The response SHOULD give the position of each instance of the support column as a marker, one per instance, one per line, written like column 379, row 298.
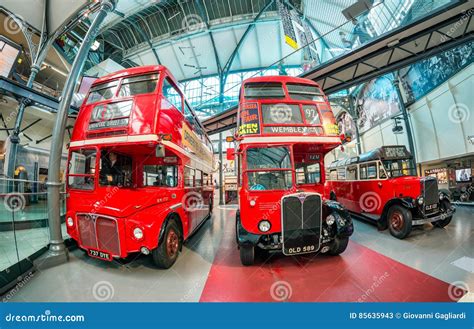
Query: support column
column 57, row 253
column 406, row 119
column 355, row 117
column 221, row 175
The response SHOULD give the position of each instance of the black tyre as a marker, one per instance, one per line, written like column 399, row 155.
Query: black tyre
column 399, row 220
column 445, row 206
column 247, row 255
column 165, row 255
column 338, row 246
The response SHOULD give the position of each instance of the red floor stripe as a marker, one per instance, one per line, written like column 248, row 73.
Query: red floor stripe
column 359, row 274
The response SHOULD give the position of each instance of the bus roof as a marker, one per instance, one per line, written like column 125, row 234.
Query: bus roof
column 280, row 78
column 134, row 71
column 389, row 152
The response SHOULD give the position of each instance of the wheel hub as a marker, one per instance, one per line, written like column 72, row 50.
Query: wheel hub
column 397, row 221
column 172, row 243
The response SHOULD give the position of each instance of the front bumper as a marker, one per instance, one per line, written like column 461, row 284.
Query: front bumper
column 440, row 216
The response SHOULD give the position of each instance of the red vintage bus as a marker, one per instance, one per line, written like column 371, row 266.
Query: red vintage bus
column 382, row 185
column 285, row 127
column 139, row 168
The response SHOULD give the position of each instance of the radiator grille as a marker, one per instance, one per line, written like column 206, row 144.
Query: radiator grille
column 99, row 232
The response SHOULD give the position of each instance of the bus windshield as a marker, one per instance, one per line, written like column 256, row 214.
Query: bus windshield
column 269, row 168
column 398, row 168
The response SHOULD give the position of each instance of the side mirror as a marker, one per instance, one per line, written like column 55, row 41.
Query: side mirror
column 230, row 154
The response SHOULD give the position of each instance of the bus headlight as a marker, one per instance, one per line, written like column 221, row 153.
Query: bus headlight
column 138, row 233
column 420, row 200
column 330, row 219
column 264, row 226
column 70, row 222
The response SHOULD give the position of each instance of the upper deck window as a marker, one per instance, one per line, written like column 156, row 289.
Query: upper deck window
column 264, row 90
column 305, row 92
column 172, row 95
column 102, row 92
column 143, row 84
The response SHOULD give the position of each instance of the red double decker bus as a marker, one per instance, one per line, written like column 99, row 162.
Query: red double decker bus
column 285, row 127
column 139, row 168
column 382, row 185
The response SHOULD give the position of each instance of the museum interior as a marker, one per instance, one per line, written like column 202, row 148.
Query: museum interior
column 236, row 151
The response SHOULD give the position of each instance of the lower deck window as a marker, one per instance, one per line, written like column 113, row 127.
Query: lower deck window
column 157, row 175
column 307, row 173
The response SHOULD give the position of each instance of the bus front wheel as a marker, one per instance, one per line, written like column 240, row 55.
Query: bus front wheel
column 247, row 255
column 165, row 255
column 399, row 221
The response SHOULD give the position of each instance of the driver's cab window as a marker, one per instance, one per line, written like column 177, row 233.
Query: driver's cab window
column 115, row 169
column 160, row 176
column 382, row 173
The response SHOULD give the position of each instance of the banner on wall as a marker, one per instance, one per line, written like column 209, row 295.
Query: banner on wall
column 420, row 78
column 377, row 101
column 346, row 125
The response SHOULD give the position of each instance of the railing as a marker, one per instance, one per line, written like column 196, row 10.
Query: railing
column 23, row 220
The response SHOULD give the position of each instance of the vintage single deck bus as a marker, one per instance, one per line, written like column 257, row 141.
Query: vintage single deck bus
column 139, row 168
column 285, row 127
column 382, row 185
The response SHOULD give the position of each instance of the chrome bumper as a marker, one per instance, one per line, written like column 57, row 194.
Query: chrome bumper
column 421, row 221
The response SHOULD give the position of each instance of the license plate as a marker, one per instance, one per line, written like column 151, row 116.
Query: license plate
column 100, row 254
column 431, row 206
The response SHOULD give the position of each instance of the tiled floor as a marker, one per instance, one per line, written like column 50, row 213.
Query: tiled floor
column 429, row 251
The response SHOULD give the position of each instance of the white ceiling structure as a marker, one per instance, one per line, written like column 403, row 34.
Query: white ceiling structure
column 193, row 56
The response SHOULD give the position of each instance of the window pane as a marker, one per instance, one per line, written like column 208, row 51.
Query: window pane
column 115, row 169
column 102, row 92
column 268, row 158
column 351, row 173
column 82, row 162
column 143, row 84
column 311, row 114
column 305, row 92
column 172, row 95
column 281, row 114
column 307, row 173
column 188, row 177
column 263, row 90
column 156, row 175
column 269, row 180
